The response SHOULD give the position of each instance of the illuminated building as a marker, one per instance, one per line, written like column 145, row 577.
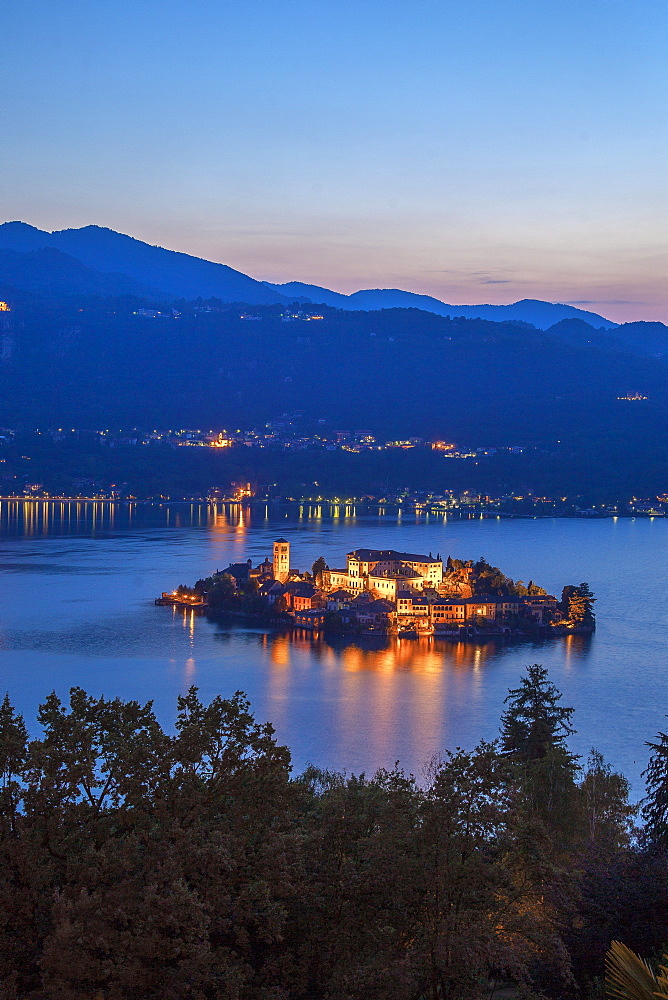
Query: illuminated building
column 385, row 572
column 281, row 560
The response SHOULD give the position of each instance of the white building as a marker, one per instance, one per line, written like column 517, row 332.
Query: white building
column 385, row 572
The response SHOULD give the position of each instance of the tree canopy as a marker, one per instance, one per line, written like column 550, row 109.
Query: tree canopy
column 141, row 862
column 534, row 721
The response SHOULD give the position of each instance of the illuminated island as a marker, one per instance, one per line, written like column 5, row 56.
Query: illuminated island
column 397, row 593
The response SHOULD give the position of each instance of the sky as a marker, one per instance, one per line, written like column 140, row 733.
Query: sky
column 475, row 150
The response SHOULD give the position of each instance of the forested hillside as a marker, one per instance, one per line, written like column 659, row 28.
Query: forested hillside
column 98, row 363
column 399, row 372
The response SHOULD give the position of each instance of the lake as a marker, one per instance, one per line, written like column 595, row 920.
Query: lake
column 78, row 582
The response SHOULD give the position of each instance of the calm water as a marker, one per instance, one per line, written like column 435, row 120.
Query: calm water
column 77, row 583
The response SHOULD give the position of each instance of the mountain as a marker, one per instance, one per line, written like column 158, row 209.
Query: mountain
column 98, row 362
column 649, row 339
column 644, row 338
column 299, row 290
column 51, row 273
column 170, row 273
column 534, row 311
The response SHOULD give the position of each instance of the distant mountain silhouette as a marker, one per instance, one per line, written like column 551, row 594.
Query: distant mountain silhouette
column 155, row 272
column 644, row 338
column 49, row 272
column 534, row 311
column 170, row 273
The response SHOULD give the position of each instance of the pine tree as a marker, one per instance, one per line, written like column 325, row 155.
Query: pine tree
column 580, row 606
column 533, row 734
column 655, row 804
column 13, row 755
column 534, row 722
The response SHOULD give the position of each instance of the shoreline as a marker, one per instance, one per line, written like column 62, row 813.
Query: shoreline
column 365, row 507
column 463, row 634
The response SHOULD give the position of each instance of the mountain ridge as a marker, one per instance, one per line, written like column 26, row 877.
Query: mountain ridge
column 159, row 272
column 535, row 311
column 171, row 273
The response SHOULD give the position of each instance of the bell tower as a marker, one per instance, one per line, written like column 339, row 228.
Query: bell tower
column 281, row 560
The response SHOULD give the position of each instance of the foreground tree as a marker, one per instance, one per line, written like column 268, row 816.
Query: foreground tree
column 534, row 728
column 534, row 722
column 140, row 863
column 655, row 804
column 605, row 804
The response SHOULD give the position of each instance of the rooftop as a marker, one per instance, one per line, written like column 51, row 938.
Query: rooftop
column 371, row 555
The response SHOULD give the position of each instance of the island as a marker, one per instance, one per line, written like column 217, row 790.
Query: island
column 396, row 593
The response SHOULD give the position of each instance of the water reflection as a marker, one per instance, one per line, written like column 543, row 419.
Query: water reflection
column 31, row 517
column 384, row 653
column 78, row 580
column 396, row 697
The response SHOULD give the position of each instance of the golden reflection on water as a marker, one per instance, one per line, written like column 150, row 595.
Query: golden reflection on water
column 370, row 690
column 424, row 655
column 32, row 517
column 574, row 647
column 279, row 651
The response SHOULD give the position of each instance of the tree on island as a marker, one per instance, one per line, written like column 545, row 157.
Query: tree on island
column 318, row 568
column 219, row 589
column 490, row 579
column 577, row 603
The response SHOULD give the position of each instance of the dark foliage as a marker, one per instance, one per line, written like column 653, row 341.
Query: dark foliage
column 534, row 722
column 135, row 863
column 655, row 805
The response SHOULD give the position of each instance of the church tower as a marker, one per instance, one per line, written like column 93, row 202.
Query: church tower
column 281, row 560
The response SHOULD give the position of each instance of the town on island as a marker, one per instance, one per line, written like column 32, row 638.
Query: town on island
column 396, row 593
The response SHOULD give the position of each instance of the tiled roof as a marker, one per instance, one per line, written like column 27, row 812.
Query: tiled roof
column 299, row 589
column 375, row 555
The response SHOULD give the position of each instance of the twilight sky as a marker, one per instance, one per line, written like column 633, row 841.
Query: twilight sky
column 476, row 150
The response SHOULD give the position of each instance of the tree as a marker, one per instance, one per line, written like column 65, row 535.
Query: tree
column 534, row 729
column 534, row 722
column 655, row 804
column 605, row 803
column 578, row 604
column 318, row 568
column 482, row 909
column 223, row 589
column 13, row 755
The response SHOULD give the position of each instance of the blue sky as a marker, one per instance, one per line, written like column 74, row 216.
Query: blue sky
column 473, row 150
